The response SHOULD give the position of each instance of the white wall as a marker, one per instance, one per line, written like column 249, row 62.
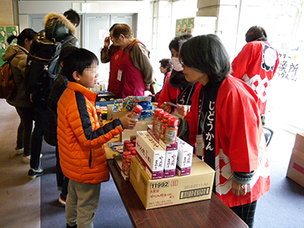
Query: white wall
column 144, row 25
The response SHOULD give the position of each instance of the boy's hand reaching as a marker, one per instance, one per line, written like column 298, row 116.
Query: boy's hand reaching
column 127, row 122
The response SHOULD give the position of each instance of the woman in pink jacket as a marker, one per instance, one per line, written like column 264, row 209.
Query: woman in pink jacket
column 225, row 113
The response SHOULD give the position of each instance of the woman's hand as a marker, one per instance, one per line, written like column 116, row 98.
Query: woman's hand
column 240, row 189
column 166, row 107
column 182, row 110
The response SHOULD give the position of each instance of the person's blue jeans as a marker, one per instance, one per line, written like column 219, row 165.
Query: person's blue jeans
column 40, row 113
column 25, row 129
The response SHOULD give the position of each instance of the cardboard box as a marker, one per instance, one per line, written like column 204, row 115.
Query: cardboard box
column 151, row 155
column 175, row 190
column 141, row 125
column 170, row 155
column 170, row 160
column 296, row 164
column 184, row 158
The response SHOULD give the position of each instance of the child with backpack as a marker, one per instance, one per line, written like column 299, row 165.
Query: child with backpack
column 59, row 33
column 17, row 56
column 81, row 138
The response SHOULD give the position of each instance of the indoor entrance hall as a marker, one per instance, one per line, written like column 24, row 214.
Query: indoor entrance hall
column 34, row 203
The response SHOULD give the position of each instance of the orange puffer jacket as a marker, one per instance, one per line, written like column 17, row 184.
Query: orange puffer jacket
column 81, row 138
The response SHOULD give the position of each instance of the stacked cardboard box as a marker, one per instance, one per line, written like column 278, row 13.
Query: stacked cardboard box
column 150, row 154
column 184, row 158
column 174, row 190
column 171, row 154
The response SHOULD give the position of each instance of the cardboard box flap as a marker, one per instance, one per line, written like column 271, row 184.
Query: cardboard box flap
column 299, row 143
column 296, row 167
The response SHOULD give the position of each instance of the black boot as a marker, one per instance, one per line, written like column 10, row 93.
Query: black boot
column 67, row 226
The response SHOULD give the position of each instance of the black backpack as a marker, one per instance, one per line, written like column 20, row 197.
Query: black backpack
column 43, row 64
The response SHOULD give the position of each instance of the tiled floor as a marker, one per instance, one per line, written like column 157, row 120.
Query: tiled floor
column 19, row 196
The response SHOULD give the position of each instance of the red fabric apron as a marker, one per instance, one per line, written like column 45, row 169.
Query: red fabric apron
column 132, row 83
column 114, row 67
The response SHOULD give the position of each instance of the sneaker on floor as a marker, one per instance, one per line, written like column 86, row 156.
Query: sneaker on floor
column 26, row 159
column 18, row 151
column 33, row 173
column 62, row 199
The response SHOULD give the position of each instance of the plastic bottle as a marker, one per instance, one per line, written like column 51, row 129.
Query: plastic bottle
column 166, row 117
column 136, row 112
column 132, row 149
column 133, row 141
column 155, row 117
column 171, row 131
column 126, row 142
column 159, row 122
column 128, row 146
column 126, row 162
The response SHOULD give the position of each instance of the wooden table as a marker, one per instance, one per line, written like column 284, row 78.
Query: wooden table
column 207, row 213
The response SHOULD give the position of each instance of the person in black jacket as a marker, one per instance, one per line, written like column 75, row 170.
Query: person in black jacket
column 50, row 131
column 56, row 27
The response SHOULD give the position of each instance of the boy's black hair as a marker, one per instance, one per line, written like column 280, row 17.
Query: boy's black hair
column 77, row 60
column 64, row 53
column 72, row 16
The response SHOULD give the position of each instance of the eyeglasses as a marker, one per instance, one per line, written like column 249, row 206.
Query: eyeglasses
column 113, row 39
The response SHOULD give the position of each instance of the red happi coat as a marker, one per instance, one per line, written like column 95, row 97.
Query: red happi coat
column 114, row 67
column 256, row 65
column 168, row 93
column 166, row 80
column 239, row 140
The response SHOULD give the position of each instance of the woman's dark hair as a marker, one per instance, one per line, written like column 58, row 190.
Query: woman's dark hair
column 256, row 33
column 207, row 55
column 78, row 60
column 166, row 63
column 122, row 29
column 26, row 33
column 177, row 41
column 72, row 16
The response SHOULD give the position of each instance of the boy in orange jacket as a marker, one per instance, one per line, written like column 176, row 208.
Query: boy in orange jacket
column 81, row 138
